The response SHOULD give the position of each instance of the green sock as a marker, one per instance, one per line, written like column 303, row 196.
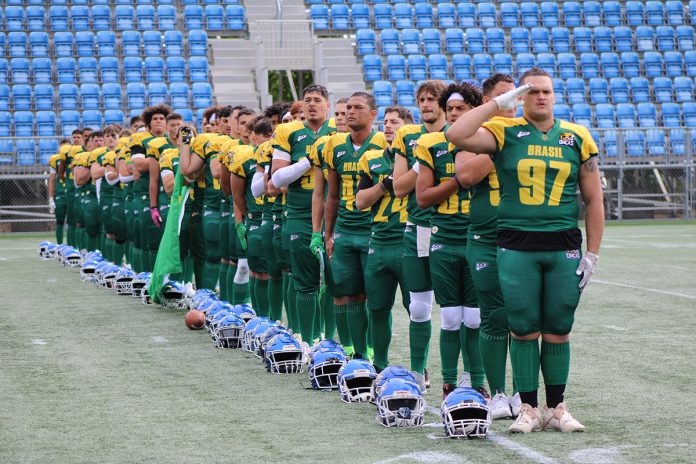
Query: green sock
column 356, row 316
column 187, row 269
column 229, row 278
column 307, row 309
column 69, row 235
column 555, row 362
column 119, row 249
column 472, row 361
column 252, row 292
column 240, row 293
column 224, row 285
column 59, row 233
column 262, row 299
column 198, row 265
column 494, row 355
column 327, row 309
column 92, row 242
column 419, row 342
column 128, row 251
column 108, row 249
column 524, row 356
column 286, row 290
column 291, row 305
column 342, row 327
column 381, row 334
column 450, row 346
column 210, row 274
column 275, row 298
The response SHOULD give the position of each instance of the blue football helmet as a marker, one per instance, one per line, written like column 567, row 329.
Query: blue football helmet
column 88, row 269
column 230, row 331
column 61, row 250
column 173, row 295
column 96, row 254
column 72, row 258
column 211, row 310
column 245, row 311
column 51, row 251
column 355, row 381
column 283, row 354
column 465, row 414
column 324, row 364
column 392, row 372
column 140, row 283
column 123, row 283
column 400, row 404
column 207, row 303
column 248, row 335
column 199, row 296
column 213, row 327
column 107, row 275
column 329, row 344
column 43, row 249
column 257, row 335
column 263, row 340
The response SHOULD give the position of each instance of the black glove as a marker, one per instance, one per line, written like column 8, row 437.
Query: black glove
column 388, row 184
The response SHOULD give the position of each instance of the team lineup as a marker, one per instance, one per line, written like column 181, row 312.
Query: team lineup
column 474, row 209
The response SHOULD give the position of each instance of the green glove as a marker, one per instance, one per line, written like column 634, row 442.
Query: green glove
column 241, row 233
column 317, row 244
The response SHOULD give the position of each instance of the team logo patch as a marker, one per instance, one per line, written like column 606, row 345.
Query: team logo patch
column 436, row 247
column 250, row 216
column 521, row 134
column 370, row 251
column 274, row 217
column 481, row 266
column 301, row 137
column 440, row 153
column 573, row 254
column 566, row 138
column 294, row 236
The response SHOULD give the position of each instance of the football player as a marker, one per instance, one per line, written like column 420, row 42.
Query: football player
column 56, row 190
column 65, row 172
column 275, row 113
column 340, row 115
column 108, row 191
column 541, row 161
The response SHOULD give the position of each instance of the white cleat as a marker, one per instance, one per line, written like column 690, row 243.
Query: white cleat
column 515, row 404
column 499, row 406
column 529, row 420
column 559, row 418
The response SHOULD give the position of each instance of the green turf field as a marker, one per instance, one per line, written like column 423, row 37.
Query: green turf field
column 88, row 376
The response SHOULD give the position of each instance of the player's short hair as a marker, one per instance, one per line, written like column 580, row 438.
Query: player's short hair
column 342, row 101
column 403, row 112
column 112, row 129
column 135, row 119
column 77, row 132
column 64, row 142
column 492, row 81
column 237, row 108
column 472, row 94
column 433, row 87
column 296, row 107
column 125, row 133
column 535, row 71
column 245, row 112
column 262, row 126
column 371, row 102
column 276, row 109
column 175, row 117
column 151, row 111
column 209, row 112
column 315, row 88
column 94, row 135
column 87, row 129
column 225, row 112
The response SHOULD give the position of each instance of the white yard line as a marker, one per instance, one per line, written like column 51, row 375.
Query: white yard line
column 158, row 339
column 520, row 449
column 39, row 341
column 425, row 456
column 616, row 327
column 646, row 289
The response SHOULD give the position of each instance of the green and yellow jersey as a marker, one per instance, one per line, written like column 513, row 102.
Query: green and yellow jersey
column 138, row 145
column 538, row 175
column 94, row 156
column 106, row 191
column 209, row 189
column 54, row 163
column 485, row 197
column 264, row 153
column 71, row 151
column 244, row 166
column 293, row 141
column 449, row 219
column 316, row 153
column 123, row 155
column 389, row 213
column 341, row 155
column 155, row 148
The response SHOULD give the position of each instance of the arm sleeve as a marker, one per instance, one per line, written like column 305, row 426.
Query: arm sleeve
column 257, row 184
column 365, row 181
column 289, row 174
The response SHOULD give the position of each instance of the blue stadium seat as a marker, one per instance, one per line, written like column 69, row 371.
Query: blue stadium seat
column 63, row 43
column 674, row 64
column 411, row 41
column 101, row 18
column 5, row 125
column 519, row 39
column 655, row 140
column 166, row 17
column 618, row 87
column 383, row 14
column 90, row 95
column 202, row 94
column 47, row 148
column 111, row 96
column 640, row 89
column 475, row 40
column 461, row 65
column 612, row 13
column 114, row 117
column 675, row 12
column 645, row 38
column 589, row 64
column 582, row 39
column 559, row 90
column 572, row 14
column 610, row 64
column 634, row 141
column 677, row 141
column 79, row 17
column 124, row 17
column 592, row 11
column 623, row 38
column 157, row 92
column 509, row 14
column 340, row 17
column 562, row 111
column 437, row 65
column 58, row 17
column 689, row 113
column 405, row 93
column 529, row 12
column 671, row 115
column 655, row 12
column 179, row 94
column 92, row 118
column 22, row 96
column 69, row 121
column 403, row 15
column 185, row 113
column 582, row 114
column 84, row 43
column 690, row 63
column 685, row 37
column 599, row 90
column 24, row 123
column 549, row 14
column 383, row 90
column 198, row 43
column 605, row 116
column 215, row 17
column 626, row 115
column 5, row 97
column 603, row 39
column 372, row 67
column 14, row 18
column 145, row 15
column 390, row 41
column 630, row 64
column 17, row 44
column 486, row 15
column 424, row 15
column 137, row 112
column 575, row 87
column 431, row 41
column 360, row 14
column 665, row 38
column 454, row 39
column 320, row 17
column 652, row 62
column 547, row 62
column 483, row 66
column 133, row 69
column 684, row 89
column 366, row 41
column 647, row 115
column 541, row 40
column 152, row 43
column 495, row 40
column 663, row 89
column 20, row 70
column 396, row 67
column 136, row 95
column 154, row 68
column 87, row 69
column 417, row 67
column 36, row 18
column 26, row 152
column 173, row 43
column 446, row 15
column 65, row 70
column 560, row 40
column 635, row 13
column 198, row 69
column 4, row 70
column 3, row 43
column 108, row 69
column 502, row 63
column 467, row 15
column 525, row 61
column 106, row 43
column 193, row 17
column 176, row 69
column 130, row 43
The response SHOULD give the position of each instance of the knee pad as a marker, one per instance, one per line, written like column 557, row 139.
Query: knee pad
column 421, row 306
column 471, row 317
column 242, row 274
column 451, row 317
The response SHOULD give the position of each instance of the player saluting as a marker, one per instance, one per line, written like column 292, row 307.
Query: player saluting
column 540, row 162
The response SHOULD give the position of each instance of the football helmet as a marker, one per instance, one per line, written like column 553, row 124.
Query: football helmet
column 266, row 337
column 400, row 404
column 173, row 295
column 199, row 296
column 207, row 303
column 72, row 258
column 257, row 335
column 248, row 334
column 465, row 414
column 283, row 354
column 51, row 251
column 109, row 276
column 329, row 344
column 43, row 249
column 245, row 311
column 220, row 314
column 355, row 381
column 211, row 310
column 391, row 372
column 96, row 254
column 88, row 269
column 123, row 282
column 324, row 364
column 230, row 331
column 140, row 283
column 60, row 251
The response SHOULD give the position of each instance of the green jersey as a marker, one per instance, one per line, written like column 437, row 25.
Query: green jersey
column 208, row 150
column 70, row 153
column 389, row 213
column 263, row 159
column 538, row 173
column 138, row 145
column 485, row 197
column 54, row 163
column 244, row 166
column 155, row 150
column 341, row 155
column 450, row 219
column 292, row 142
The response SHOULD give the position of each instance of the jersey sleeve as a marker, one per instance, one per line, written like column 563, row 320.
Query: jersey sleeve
column 136, row 148
column 495, row 127
column 281, row 139
column 423, row 155
column 198, row 147
column 398, row 145
column 363, row 165
column 237, row 166
column 327, row 153
column 588, row 147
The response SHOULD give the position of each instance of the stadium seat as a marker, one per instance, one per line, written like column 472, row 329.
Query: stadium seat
column 43, row 97
column 547, row 62
column 340, row 17
column 665, row 38
column 626, row 115
column 509, row 14
column 4, row 70
column 572, row 14
column 647, row 115
column 17, row 44
column 133, row 69
column 671, row 115
column 383, row 90
column 198, row 69
column 603, row 39
column 645, row 38
column 685, row 37
column 130, row 43
column 605, row 116
column 84, row 43
column 623, row 38
column 655, row 13
column 582, row 114
column 65, row 70
column 106, row 43
column 173, row 43
column 446, row 15
column 108, row 69
column 559, row 91
column 136, row 95
column 22, row 97
column 69, row 121
column 630, row 64
column 656, row 142
column 90, row 96
column 166, row 17
column 79, row 18
column 467, row 15
column 372, row 67
column 411, row 41
column 417, row 68
column 663, row 90
column 495, row 40
column 145, row 14
column 390, row 41
column 677, row 142
column 154, row 68
column 403, row 15
column 26, row 151
column 640, row 89
column 592, row 12
column 618, row 87
column 157, row 92
column 529, row 12
column 382, row 16
column 612, row 13
column 454, row 39
column 689, row 113
column 179, row 94
column 198, row 43
column 361, row 16
column 215, row 17
column 575, row 87
column 202, row 94
column 652, row 62
column 23, row 123
column 461, row 65
column 113, row 117
column 525, row 62
column 582, row 40
column 87, row 69
column 124, row 17
column 366, row 41
column 634, row 141
column 674, row 64
column 487, row 15
column 396, row 67
column 675, row 12
column 589, row 64
column 437, row 65
column 14, row 18
column 152, row 43
column 5, row 125
column 502, row 63
column 193, row 17
column 3, row 42
column 36, row 18
column 185, row 113
column 635, row 13
column 599, row 90
column 549, row 14
column 609, row 141
column 519, row 39
column 101, row 18
column 684, row 89
column 20, row 70
column 47, row 148
column 690, row 63
column 111, row 96
column 431, row 41
column 560, row 40
column 475, row 40
column 58, row 18
column 92, row 118
column 610, row 64
column 405, row 93
column 483, row 66
column 176, row 69
column 68, row 96
column 320, row 17
column 63, row 44
column 541, row 41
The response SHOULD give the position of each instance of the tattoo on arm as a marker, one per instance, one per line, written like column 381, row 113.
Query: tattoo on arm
column 590, row 165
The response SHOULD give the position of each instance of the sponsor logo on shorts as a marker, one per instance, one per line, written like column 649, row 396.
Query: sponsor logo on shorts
column 264, row 222
column 481, row 266
column 105, row 208
column 294, row 236
column 225, row 214
column 163, row 207
column 336, row 235
column 250, row 215
column 566, row 138
column 252, row 228
column 436, row 247
column 274, row 217
column 276, row 226
column 116, row 203
column 476, row 237
column 207, row 213
column 370, row 251
column 573, row 254
column 521, row 134
column 146, row 209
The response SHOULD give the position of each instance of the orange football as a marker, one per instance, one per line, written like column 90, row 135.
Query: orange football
column 195, row 319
